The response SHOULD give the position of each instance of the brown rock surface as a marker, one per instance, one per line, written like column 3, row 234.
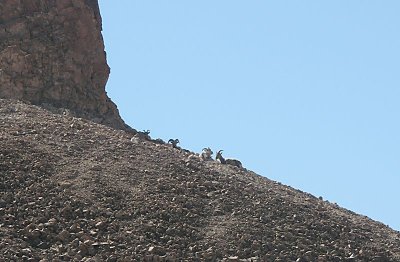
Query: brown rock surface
column 73, row 190
column 52, row 53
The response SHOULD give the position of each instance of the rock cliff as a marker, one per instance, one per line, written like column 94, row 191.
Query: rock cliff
column 52, row 53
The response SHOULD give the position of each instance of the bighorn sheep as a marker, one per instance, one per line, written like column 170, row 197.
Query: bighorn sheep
column 174, row 143
column 206, row 154
column 145, row 134
column 232, row 162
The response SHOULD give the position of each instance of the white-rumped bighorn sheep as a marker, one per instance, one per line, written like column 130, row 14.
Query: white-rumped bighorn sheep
column 232, row 162
column 206, row 154
column 174, row 143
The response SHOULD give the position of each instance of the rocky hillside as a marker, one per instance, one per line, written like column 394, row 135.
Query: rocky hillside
column 52, row 54
column 74, row 190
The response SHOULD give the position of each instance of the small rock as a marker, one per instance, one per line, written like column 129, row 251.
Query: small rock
column 101, row 225
column 64, row 235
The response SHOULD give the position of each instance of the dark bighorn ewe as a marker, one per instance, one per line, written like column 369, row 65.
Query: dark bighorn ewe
column 206, row 154
column 174, row 143
column 158, row 141
column 232, row 162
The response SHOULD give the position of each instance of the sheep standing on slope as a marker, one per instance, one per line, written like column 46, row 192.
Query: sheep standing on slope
column 206, row 154
column 232, row 162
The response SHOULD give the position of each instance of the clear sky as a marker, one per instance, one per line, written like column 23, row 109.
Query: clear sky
column 302, row 92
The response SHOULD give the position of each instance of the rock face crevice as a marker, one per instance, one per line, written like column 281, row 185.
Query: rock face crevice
column 52, row 52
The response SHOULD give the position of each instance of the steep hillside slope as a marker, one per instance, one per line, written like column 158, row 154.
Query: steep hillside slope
column 71, row 190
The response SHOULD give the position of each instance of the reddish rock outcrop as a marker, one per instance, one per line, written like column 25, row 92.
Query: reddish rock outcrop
column 52, row 53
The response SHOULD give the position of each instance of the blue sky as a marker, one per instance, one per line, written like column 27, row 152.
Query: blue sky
column 302, row 92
